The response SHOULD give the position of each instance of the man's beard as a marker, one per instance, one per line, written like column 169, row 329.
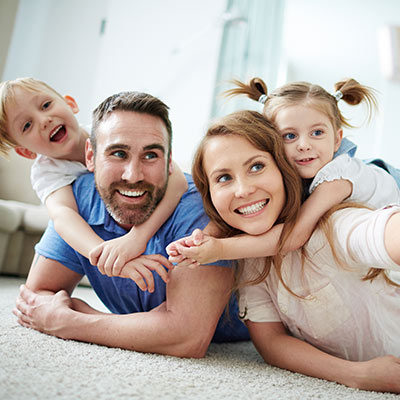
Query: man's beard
column 131, row 214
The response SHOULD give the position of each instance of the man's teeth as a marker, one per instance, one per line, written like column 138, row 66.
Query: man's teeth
column 55, row 132
column 131, row 193
column 253, row 208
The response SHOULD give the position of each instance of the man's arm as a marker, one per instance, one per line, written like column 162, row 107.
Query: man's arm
column 183, row 327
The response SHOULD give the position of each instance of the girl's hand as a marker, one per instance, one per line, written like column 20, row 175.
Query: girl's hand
column 111, row 256
column 139, row 270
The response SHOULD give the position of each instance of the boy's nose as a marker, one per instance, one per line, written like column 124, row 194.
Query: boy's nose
column 45, row 122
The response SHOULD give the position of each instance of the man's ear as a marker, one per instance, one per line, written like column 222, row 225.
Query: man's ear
column 338, row 139
column 72, row 104
column 24, row 152
column 170, row 164
column 89, row 155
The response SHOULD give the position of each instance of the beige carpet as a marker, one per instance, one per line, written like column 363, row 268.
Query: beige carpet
column 37, row 366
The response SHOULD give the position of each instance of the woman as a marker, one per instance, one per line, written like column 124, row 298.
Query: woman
column 322, row 311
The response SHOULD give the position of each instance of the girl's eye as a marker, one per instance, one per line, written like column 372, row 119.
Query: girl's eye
column 26, row 126
column 317, row 132
column 289, row 136
column 46, row 105
column 257, row 167
column 224, row 178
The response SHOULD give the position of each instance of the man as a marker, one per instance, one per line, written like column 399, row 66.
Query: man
column 130, row 155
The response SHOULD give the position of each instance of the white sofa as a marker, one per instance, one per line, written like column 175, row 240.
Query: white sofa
column 22, row 218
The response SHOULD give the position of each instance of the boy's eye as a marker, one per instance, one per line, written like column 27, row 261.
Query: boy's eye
column 46, row 105
column 289, row 136
column 224, row 178
column 26, row 126
column 257, row 167
column 317, row 132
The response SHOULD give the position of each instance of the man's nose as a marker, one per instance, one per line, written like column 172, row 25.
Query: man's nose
column 243, row 187
column 133, row 172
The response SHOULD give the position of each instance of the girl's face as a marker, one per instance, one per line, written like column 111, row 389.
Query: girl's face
column 309, row 138
column 246, row 185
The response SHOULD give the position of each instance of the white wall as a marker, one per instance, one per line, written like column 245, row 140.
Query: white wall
column 326, row 40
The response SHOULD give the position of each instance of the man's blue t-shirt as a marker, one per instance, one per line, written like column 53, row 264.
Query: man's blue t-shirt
column 121, row 295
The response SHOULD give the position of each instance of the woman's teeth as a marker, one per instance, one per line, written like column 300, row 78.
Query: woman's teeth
column 131, row 193
column 253, row 208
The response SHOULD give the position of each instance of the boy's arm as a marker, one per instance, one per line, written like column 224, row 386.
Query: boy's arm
column 323, row 198
column 112, row 255
column 63, row 210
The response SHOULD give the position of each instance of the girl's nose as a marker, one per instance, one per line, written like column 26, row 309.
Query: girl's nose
column 303, row 145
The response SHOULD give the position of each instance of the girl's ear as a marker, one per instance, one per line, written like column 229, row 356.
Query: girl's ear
column 89, row 155
column 24, row 152
column 72, row 104
column 338, row 139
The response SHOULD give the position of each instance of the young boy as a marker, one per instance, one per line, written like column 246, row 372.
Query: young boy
column 40, row 124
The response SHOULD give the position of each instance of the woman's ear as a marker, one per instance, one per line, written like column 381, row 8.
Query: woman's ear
column 72, row 104
column 338, row 139
column 24, row 152
column 89, row 155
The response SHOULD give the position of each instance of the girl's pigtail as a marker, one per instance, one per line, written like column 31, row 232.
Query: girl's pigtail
column 256, row 90
column 354, row 93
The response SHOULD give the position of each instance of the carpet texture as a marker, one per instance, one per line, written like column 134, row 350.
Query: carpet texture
column 37, row 366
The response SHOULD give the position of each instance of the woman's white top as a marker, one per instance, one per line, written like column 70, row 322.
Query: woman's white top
column 372, row 185
column 50, row 174
column 340, row 314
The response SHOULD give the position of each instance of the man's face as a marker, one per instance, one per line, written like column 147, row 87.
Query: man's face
column 131, row 165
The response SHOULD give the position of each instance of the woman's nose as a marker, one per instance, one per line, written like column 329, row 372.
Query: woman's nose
column 243, row 188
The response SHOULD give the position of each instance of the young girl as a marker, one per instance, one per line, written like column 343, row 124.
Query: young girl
column 40, row 124
column 329, row 311
column 310, row 122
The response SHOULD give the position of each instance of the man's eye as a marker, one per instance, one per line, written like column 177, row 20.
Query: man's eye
column 224, row 178
column 317, row 132
column 46, row 105
column 119, row 154
column 26, row 126
column 288, row 136
column 150, row 156
column 257, row 167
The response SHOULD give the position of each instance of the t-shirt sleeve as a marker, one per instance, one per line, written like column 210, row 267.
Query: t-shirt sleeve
column 255, row 303
column 50, row 174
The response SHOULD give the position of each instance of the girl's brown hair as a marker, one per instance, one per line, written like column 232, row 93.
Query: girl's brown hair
column 262, row 134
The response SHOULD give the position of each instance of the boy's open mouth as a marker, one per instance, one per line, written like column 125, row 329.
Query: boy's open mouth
column 58, row 133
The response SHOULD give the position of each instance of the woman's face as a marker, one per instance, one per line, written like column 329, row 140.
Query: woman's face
column 246, row 185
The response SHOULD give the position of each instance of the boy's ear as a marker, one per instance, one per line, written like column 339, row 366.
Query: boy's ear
column 338, row 139
column 89, row 156
column 72, row 104
column 24, row 152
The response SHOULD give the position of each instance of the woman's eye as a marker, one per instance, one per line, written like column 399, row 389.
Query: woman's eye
column 317, row 132
column 26, row 126
column 224, row 178
column 288, row 136
column 257, row 167
column 46, row 105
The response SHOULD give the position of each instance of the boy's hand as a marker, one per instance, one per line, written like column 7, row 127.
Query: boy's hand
column 111, row 256
column 139, row 270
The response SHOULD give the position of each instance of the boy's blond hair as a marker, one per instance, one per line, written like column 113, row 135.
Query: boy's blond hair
column 7, row 95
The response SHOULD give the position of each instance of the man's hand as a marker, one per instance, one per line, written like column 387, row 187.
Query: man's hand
column 42, row 312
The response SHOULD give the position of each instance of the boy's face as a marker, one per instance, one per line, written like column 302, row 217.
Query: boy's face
column 42, row 122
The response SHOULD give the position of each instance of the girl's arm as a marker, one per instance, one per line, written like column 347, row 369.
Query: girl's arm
column 284, row 351
column 323, row 198
column 63, row 211
column 391, row 238
column 112, row 255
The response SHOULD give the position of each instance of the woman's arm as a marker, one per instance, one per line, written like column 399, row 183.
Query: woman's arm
column 285, row 351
